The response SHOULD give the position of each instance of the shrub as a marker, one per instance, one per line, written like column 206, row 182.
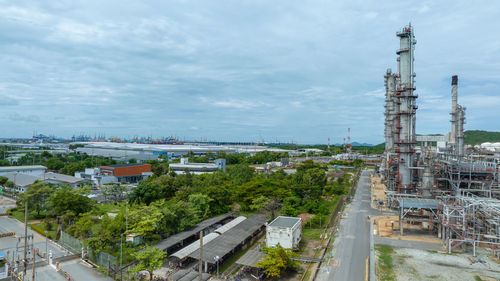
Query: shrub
column 40, row 231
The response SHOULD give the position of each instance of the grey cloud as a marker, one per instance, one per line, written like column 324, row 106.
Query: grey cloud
column 231, row 70
column 24, row 118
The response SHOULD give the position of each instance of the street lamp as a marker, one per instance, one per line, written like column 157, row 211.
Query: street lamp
column 121, row 249
column 216, row 259
column 46, row 244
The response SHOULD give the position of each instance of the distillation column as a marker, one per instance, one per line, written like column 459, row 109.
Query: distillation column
column 454, row 103
column 405, row 145
column 460, row 146
column 390, row 85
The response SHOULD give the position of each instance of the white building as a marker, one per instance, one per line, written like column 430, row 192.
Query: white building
column 30, row 170
column 197, row 168
column 94, row 175
column 287, row 231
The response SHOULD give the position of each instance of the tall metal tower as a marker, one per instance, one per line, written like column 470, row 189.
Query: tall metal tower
column 405, row 144
column 349, row 146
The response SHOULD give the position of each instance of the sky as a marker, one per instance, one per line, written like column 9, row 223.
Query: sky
column 285, row 70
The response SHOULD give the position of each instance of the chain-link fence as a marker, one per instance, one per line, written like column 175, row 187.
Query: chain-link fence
column 101, row 258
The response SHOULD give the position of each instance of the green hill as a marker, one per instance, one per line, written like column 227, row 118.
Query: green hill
column 477, row 137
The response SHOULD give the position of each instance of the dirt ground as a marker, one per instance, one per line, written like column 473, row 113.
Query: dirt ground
column 388, row 227
column 378, row 193
column 413, row 264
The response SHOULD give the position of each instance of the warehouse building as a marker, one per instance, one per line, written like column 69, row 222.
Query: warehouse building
column 286, row 231
column 30, row 170
column 60, row 179
column 127, row 173
column 197, row 168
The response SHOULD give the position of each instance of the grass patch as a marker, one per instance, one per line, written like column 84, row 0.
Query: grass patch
column 111, row 207
column 43, row 226
column 312, row 233
column 385, row 270
column 18, row 214
column 477, row 278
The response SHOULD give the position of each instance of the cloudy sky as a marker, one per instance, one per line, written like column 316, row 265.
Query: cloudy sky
column 285, row 70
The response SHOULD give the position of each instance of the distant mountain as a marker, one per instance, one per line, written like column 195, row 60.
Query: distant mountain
column 356, row 144
column 474, row 137
column 361, row 144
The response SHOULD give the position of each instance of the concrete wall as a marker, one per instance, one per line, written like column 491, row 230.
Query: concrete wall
column 287, row 237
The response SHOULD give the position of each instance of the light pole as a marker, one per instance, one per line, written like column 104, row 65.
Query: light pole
column 216, row 258
column 46, row 244
column 121, row 251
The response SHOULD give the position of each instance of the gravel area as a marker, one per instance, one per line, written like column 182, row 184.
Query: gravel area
column 413, row 264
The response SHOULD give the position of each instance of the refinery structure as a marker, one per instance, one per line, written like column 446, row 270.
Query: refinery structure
column 437, row 180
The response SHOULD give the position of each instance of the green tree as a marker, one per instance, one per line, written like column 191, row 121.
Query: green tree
column 200, row 203
column 146, row 220
column 3, row 180
column 65, row 199
column 149, row 260
column 71, row 168
column 132, row 161
column 54, row 164
column 38, row 195
column 278, row 260
column 4, row 162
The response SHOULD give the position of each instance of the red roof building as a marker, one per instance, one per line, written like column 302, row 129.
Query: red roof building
column 127, row 172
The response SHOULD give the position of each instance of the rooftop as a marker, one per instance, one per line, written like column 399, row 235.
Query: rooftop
column 17, row 168
column 60, row 177
column 181, row 236
column 229, row 240
column 125, row 165
column 21, row 179
column 282, row 221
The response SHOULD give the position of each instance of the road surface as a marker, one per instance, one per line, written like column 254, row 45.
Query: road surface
column 76, row 268
column 352, row 244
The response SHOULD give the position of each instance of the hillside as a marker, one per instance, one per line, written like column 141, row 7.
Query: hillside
column 477, row 137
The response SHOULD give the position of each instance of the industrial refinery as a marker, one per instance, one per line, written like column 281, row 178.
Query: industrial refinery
column 437, row 180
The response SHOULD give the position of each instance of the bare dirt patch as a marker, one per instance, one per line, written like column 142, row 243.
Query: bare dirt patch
column 413, row 264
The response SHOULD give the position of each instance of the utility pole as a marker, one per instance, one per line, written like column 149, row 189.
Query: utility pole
column 34, row 257
column 25, row 262
column 200, row 266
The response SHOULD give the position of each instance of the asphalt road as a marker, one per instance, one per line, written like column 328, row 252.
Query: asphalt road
column 8, row 244
column 352, row 243
column 76, row 268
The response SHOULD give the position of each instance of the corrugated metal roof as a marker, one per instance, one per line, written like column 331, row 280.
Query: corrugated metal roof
column 188, row 275
column 229, row 240
column 20, row 168
column 172, row 240
column 419, row 203
column 60, row 177
column 184, row 252
column 283, row 221
column 230, row 224
column 21, row 179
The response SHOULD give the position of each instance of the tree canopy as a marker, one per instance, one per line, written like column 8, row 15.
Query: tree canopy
column 149, row 260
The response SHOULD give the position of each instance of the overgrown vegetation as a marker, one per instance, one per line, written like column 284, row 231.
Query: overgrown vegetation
column 385, row 271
